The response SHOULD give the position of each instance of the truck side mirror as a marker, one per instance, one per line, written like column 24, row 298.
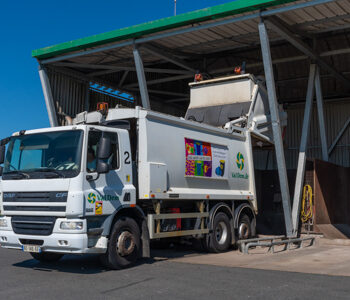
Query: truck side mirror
column 2, row 154
column 104, row 152
column 104, row 149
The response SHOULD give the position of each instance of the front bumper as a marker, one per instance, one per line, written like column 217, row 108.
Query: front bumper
column 60, row 241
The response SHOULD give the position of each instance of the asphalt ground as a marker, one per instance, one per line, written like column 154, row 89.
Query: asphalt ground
column 161, row 277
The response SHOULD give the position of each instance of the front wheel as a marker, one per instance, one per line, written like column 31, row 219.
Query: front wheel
column 124, row 244
column 46, row 256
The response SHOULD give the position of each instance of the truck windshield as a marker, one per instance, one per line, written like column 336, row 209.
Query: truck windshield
column 44, row 155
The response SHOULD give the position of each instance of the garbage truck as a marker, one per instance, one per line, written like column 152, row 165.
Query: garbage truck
column 112, row 180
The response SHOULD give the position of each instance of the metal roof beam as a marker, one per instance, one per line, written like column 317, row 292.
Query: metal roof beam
column 90, row 66
column 287, row 60
column 257, row 15
column 243, row 45
column 168, row 57
column 99, row 73
column 167, row 93
column 278, row 27
column 178, row 100
column 111, row 69
column 295, row 30
column 302, row 26
column 302, row 78
column 162, row 80
column 147, row 70
column 253, row 65
column 338, row 137
column 121, row 82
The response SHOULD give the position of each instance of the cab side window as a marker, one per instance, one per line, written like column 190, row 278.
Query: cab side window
column 113, row 160
column 93, row 139
column 93, row 142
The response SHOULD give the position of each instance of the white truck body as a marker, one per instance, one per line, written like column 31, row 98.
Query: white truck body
column 198, row 176
column 161, row 175
column 162, row 172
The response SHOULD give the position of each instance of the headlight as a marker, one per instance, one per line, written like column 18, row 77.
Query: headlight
column 71, row 225
column 3, row 223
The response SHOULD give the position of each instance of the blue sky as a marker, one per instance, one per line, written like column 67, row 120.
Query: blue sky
column 27, row 25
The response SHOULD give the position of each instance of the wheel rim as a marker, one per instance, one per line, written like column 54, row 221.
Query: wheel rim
column 221, row 232
column 243, row 231
column 125, row 243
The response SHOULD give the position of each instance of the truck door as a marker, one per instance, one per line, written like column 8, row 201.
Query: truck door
column 104, row 193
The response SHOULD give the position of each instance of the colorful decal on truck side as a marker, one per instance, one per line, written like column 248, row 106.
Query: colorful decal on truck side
column 205, row 159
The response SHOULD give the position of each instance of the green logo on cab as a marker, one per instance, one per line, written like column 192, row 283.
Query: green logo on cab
column 91, row 198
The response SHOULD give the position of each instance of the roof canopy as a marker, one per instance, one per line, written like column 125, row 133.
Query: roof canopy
column 213, row 41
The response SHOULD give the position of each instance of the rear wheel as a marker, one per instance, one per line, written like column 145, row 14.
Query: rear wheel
column 244, row 227
column 124, row 244
column 46, row 256
column 220, row 237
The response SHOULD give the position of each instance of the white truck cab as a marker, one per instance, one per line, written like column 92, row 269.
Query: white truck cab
column 51, row 189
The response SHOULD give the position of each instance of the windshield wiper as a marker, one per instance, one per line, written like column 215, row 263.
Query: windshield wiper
column 17, row 175
column 50, row 170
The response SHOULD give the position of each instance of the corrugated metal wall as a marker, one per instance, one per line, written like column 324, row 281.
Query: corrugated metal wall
column 69, row 94
column 336, row 114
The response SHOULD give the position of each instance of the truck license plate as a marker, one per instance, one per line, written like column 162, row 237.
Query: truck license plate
column 31, row 248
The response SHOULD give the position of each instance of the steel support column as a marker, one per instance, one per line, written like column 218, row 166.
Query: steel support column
column 319, row 99
column 141, row 78
column 299, row 181
column 87, row 96
column 50, row 106
column 276, row 128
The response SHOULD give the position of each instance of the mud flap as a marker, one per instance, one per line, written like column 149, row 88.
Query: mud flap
column 145, row 240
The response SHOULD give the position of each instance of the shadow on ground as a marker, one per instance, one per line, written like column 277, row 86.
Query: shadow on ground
column 90, row 263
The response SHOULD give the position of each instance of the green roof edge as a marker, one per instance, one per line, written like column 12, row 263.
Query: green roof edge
column 210, row 13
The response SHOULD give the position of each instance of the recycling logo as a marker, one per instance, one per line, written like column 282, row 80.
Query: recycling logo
column 240, row 161
column 91, row 198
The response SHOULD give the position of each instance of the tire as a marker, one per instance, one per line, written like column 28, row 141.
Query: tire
column 46, row 256
column 124, row 245
column 220, row 237
column 244, row 227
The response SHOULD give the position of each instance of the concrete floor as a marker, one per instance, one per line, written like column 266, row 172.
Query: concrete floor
column 327, row 257
column 178, row 273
